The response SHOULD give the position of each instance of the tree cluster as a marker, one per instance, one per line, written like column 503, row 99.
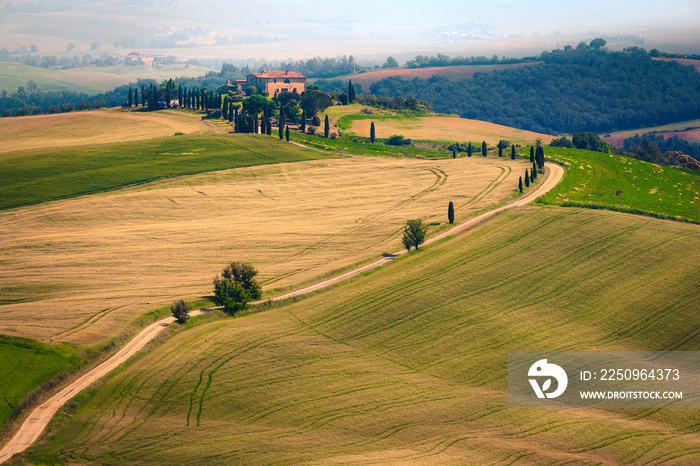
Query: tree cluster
column 236, row 287
column 575, row 89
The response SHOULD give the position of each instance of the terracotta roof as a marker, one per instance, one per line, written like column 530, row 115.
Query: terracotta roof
column 279, row 74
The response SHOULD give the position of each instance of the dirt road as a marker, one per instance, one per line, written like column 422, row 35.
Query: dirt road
column 37, row 421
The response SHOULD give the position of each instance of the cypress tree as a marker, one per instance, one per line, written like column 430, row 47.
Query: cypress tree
column 469, row 149
column 287, row 133
column 269, row 126
column 520, row 183
column 256, row 129
column 539, row 156
column 351, row 92
column 143, row 96
column 153, row 97
column 326, row 127
column 179, row 96
column 303, row 121
column 527, row 179
column 281, row 131
column 500, row 150
column 136, row 97
column 534, row 171
column 532, row 154
column 512, row 152
column 451, row 213
column 131, row 98
column 454, row 155
column 532, row 176
column 483, row 148
column 372, row 133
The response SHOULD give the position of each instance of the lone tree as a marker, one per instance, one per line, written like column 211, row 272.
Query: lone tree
column 414, row 234
column 469, row 149
column 180, row 310
column 483, row 148
column 372, row 133
column 236, row 287
column 451, row 213
column 512, row 152
column 351, row 92
column 520, row 184
column 326, row 127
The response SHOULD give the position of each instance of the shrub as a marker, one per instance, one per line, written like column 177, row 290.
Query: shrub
column 397, row 140
column 316, row 121
column 180, row 310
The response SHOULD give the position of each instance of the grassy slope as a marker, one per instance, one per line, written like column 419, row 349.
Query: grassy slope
column 32, row 177
column 408, row 363
column 24, row 365
column 605, row 181
column 13, row 75
column 426, row 126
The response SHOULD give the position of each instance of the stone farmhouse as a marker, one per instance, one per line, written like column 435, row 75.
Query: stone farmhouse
column 272, row 82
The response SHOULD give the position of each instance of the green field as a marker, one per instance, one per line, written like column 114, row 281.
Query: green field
column 408, row 364
column 604, row 181
column 14, row 75
column 25, row 364
column 32, row 177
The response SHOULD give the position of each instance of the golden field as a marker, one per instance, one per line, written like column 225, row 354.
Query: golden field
column 95, row 127
column 80, row 270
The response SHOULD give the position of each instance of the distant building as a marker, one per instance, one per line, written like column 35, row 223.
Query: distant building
column 274, row 82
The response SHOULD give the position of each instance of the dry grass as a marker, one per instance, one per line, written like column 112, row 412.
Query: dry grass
column 94, row 127
column 448, row 129
column 79, row 270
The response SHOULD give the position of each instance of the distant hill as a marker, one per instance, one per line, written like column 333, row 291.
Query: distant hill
column 453, row 73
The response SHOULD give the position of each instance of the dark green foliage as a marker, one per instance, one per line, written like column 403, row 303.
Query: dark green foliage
column 454, row 154
column 527, row 179
column 397, row 140
column 483, row 148
column 414, row 234
column 534, row 171
column 372, row 133
column 562, row 142
column 180, row 310
column 236, row 287
column 326, row 127
column 512, row 152
column 351, row 92
column 281, row 131
column 268, row 127
column 131, row 98
column 316, row 121
column 572, row 90
column 451, row 213
column 314, row 101
column 287, row 133
column 520, row 184
column 500, row 151
column 532, row 154
column 303, row 121
column 469, row 149
column 532, row 175
column 651, row 147
column 589, row 141
column 539, row 156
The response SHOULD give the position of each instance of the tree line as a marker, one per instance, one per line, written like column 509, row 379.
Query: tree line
column 586, row 88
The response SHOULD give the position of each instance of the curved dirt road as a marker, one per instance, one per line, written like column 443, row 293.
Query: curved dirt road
column 37, row 421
